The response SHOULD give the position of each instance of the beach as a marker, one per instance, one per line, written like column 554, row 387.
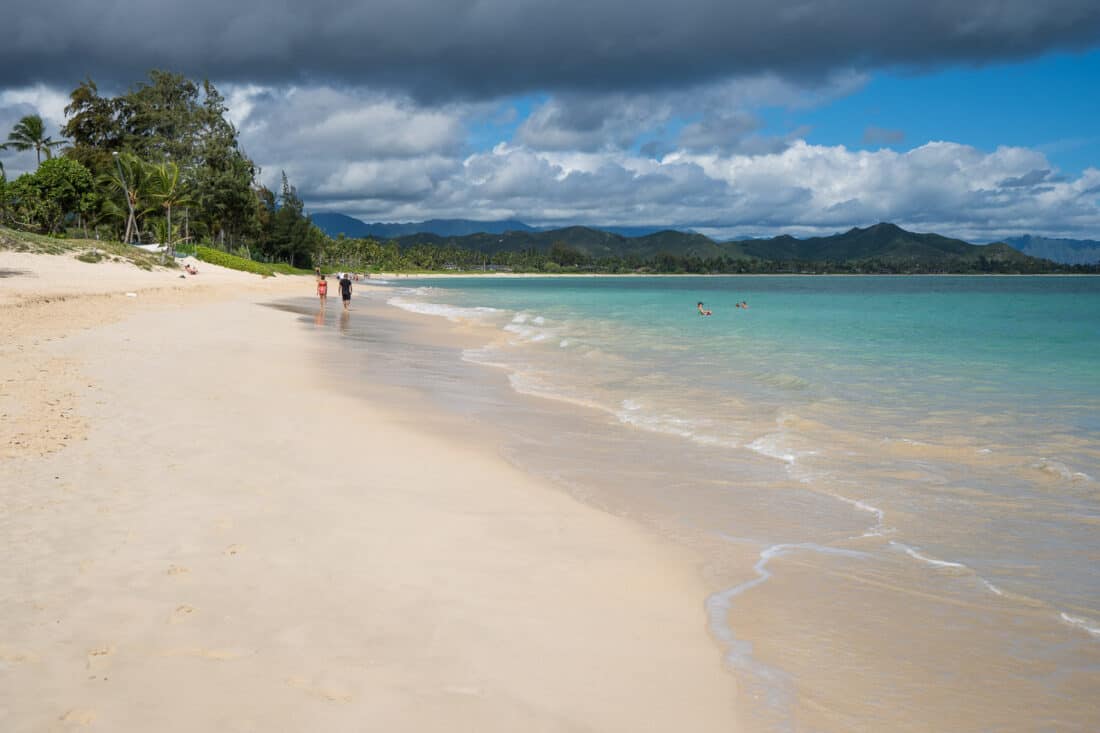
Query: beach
column 205, row 529
column 545, row 503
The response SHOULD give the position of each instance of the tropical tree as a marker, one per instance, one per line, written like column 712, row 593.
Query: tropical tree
column 167, row 190
column 92, row 127
column 127, row 182
column 47, row 198
column 289, row 235
column 30, row 134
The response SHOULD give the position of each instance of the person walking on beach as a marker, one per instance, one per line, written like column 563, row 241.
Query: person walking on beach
column 345, row 290
column 322, row 290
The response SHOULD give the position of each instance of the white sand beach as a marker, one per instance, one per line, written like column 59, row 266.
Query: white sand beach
column 201, row 531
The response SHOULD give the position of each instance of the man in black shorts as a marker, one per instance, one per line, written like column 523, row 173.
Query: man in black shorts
column 345, row 290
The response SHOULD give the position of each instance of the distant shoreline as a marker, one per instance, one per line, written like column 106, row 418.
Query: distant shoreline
column 475, row 273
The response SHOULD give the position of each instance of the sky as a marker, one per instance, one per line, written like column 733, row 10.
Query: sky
column 734, row 118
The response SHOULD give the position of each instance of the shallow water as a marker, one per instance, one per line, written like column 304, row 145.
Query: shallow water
column 894, row 480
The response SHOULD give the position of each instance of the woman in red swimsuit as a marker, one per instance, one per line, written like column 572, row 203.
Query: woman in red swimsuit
column 322, row 290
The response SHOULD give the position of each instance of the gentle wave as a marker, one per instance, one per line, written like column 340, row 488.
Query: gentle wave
column 450, row 312
column 879, row 529
column 1059, row 470
column 633, row 414
column 772, row 447
column 776, row 684
column 528, row 333
column 1081, row 624
column 989, row 586
column 916, row 555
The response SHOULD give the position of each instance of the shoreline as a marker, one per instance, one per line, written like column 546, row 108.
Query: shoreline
column 479, row 274
column 195, row 558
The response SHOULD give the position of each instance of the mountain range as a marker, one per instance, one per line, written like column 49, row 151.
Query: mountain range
column 887, row 245
column 334, row 225
column 884, row 243
column 1068, row 251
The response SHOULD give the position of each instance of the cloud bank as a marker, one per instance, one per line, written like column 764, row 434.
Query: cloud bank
column 471, row 49
column 409, row 163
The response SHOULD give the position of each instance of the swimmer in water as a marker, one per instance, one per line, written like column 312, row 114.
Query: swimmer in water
column 702, row 311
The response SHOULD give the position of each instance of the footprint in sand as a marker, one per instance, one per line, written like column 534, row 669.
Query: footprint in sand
column 99, row 659
column 77, row 716
column 234, row 549
column 178, row 570
column 331, row 694
column 181, row 614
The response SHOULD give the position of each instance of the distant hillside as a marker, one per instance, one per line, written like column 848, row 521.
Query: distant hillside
column 885, row 243
column 879, row 248
column 1068, row 251
column 594, row 243
column 336, row 224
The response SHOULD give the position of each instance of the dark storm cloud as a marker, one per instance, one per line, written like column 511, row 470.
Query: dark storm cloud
column 481, row 48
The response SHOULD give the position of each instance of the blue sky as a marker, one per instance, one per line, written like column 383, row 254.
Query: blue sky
column 1051, row 104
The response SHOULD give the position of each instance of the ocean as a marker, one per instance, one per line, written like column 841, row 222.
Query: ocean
column 894, row 481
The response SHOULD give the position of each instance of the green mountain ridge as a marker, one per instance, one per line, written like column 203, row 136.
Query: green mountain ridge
column 883, row 247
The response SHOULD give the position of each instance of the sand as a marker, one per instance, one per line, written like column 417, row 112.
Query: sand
column 201, row 531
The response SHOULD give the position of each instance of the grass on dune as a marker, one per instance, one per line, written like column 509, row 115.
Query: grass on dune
column 85, row 250
column 94, row 250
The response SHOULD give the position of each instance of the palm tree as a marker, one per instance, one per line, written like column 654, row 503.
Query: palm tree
column 167, row 189
column 129, row 181
column 30, row 133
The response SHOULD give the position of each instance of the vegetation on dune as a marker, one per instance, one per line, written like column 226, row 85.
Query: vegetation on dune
column 233, row 262
column 85, row 250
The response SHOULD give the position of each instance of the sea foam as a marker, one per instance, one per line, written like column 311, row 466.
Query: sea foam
column 450, row 312
column 1081, row 624
column 934, row 562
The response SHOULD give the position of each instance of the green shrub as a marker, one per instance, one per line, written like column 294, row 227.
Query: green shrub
column 284, row 269
column 233, row 262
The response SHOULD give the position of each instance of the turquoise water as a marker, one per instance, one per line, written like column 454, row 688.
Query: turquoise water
column 936, row 433
column 989, row 381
